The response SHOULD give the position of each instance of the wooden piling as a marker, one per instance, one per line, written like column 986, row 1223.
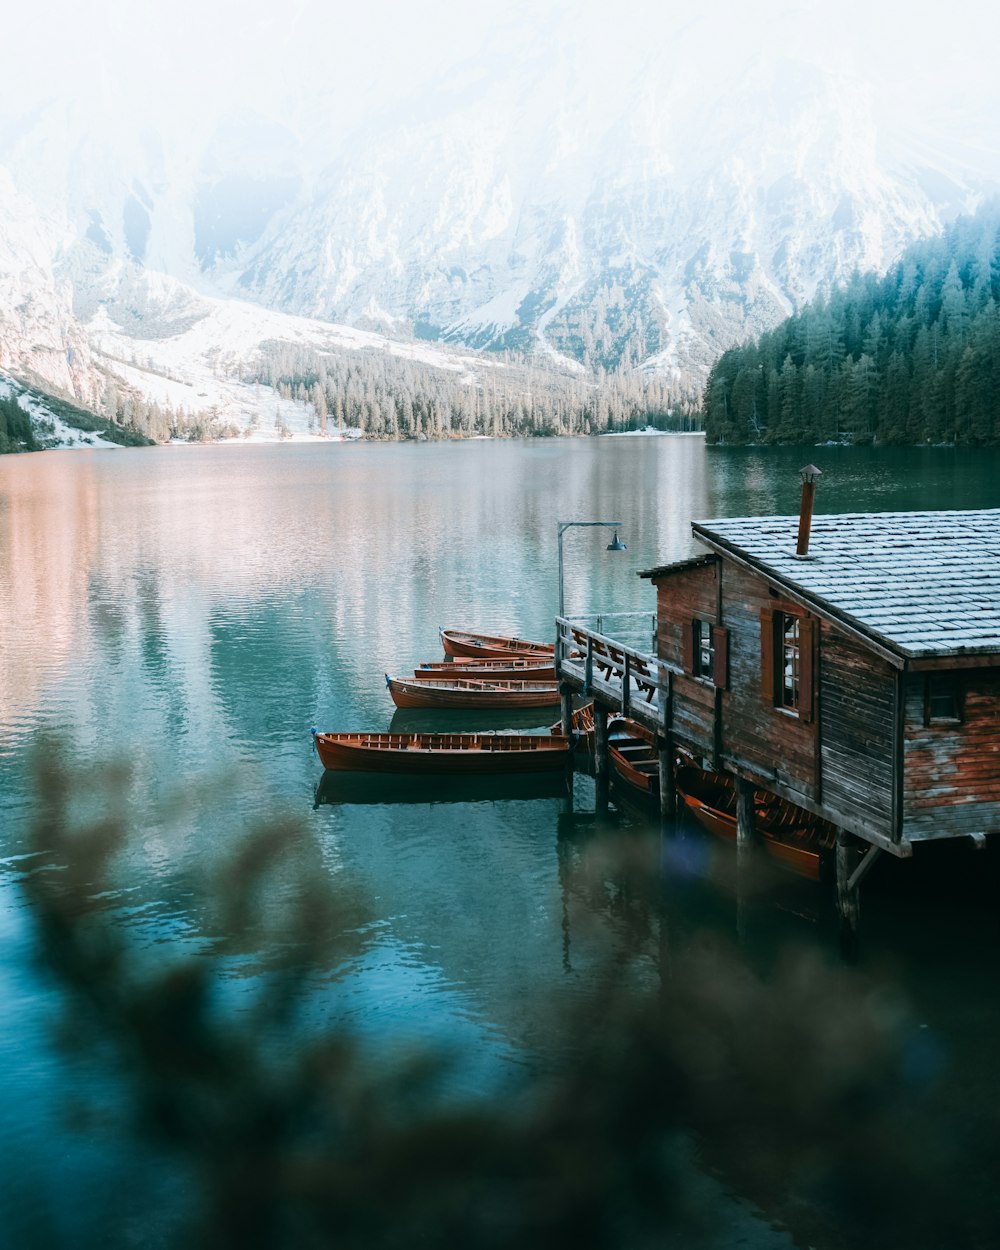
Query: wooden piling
column 668, row 788
column 848, row 894
column 602, row 756
column 566, row 706
column 744, row 821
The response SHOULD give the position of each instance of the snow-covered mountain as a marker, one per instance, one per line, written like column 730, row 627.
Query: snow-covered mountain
column 626, row 201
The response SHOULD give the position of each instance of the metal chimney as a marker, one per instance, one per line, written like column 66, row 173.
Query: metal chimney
column 809, row 475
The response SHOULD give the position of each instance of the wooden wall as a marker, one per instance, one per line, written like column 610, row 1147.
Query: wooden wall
column 846, row 762
column 951, row 778
column 840, row 761
column 684, row 597
column 755, row 733
column 857, row 730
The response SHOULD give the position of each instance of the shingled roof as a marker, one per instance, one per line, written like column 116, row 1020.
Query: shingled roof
column 924, row 583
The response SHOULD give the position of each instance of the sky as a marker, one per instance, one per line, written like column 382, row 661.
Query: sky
column 325, row 68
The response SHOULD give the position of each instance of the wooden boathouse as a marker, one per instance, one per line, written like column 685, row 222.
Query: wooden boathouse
column 849, row 664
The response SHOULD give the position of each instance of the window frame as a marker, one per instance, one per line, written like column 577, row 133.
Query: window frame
column 955, row 693
column 716, row 673
column 788, row 662
column 703, row 642
column 773, row 654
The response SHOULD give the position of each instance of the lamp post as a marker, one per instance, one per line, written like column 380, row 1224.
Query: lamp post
column 616, row 544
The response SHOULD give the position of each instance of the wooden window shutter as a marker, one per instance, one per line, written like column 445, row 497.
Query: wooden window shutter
column 767, row 655
column 807, row 667
column 687, row 646
column 720, row 657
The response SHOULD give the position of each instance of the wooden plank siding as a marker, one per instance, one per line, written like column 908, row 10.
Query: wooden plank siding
column 756, row 734
column 951, row 778
column 689, row 595
column 837, row 760
column 858, row 725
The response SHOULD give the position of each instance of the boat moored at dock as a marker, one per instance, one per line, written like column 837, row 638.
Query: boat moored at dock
column 509, row 667
column 791, row 836
column 454, row 754
column 471, row 692
column 457, row 642
column 634, row 755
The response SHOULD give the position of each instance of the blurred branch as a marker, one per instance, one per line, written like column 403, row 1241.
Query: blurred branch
column 299, row 1139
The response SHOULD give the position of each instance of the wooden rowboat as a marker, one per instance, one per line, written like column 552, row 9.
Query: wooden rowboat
column 582, row 722
column 457, row 642
column 454, row 754
column 634, row 755
column 793, row 837
column 541, row 669
column 471, row 692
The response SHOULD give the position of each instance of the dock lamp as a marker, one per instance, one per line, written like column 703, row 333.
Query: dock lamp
column 616, row 544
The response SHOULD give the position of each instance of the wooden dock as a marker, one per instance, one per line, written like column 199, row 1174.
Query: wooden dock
column 621, row 679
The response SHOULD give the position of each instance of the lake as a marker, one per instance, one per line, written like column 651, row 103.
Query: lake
column 193, row 611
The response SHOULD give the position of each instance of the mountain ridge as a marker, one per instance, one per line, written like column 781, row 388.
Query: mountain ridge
column 636, row 219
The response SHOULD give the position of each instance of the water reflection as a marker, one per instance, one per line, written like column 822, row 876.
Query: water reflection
column 193, row 611
column 378, row 789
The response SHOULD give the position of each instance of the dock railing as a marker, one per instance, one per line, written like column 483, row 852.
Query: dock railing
column 636, row 629
column 625, row 678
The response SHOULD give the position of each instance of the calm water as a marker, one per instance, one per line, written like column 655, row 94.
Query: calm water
column 193, row 611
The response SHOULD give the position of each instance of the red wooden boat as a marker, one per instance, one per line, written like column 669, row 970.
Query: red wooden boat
column 454, row 754
column 471, row 692
column 634, row 756
column 526, row 667
column 582, row 722
column 457, row 642
column 793, row 837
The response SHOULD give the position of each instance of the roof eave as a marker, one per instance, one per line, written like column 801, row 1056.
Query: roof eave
column 797, row 594
column 678, row 566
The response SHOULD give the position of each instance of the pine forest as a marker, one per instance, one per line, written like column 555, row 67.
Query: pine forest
column 912, row 357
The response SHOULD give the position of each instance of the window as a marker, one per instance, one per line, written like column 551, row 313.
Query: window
column 704, row 649
column 790, row 660
column 706, row 652
column 787, row 660
column 942, row 699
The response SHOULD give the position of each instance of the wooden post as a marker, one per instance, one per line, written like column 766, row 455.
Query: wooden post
column 602, row 759
column 668, row 788
column 848, row 895
column 745, row 811
column 744, row 822
column 566, row 705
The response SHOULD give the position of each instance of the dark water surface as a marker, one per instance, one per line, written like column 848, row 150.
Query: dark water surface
column 193, row 611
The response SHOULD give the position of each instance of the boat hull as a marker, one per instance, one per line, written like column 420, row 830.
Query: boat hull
column 634, row 756
column 789, row 835
column 582, row 724
column 447, row 754
column 472, row 645
column 466, row 692
column 509, row 668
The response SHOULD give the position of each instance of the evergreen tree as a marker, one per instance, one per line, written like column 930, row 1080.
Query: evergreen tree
column 913, row 356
